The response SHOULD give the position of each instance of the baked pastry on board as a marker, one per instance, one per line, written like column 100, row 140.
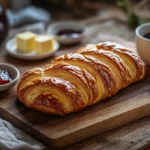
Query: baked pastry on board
column 76, row 80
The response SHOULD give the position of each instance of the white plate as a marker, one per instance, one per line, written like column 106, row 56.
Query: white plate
column 12, row 50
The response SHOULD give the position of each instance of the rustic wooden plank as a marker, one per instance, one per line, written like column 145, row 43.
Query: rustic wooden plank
column 30, row 118
column 128, row 105
column 134, row 136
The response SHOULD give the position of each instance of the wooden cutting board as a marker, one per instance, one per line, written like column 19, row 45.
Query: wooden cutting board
column 126, row 106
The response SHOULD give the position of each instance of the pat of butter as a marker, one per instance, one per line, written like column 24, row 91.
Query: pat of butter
column 26, row 41
column 44, row 44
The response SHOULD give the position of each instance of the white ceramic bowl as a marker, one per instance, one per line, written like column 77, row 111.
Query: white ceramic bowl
column 143, row 44
column 56, row 27
column 14, row 74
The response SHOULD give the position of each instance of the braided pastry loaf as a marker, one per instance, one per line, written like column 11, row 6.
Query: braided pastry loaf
column 76, row 80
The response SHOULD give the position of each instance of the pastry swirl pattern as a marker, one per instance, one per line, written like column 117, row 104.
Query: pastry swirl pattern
column 76, row 80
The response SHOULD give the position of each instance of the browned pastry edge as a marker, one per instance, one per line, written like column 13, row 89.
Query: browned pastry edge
column 34, row 80
column 32, row 72
column 131, row 55
column 81, row 59
column 124, row 73
column 105, row 72
column 80, row 74
column 63, row 86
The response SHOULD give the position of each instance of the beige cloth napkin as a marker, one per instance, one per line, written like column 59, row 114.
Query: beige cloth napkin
column 11, row 138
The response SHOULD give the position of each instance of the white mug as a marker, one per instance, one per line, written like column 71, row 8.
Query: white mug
column 142, row 43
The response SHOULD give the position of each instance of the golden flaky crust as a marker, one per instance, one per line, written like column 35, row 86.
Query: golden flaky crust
column 73, row 81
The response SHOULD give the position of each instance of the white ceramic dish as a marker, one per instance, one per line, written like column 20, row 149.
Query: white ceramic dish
column 56, row 27
column 14, row 74
column 142, row 43
column 12, row 50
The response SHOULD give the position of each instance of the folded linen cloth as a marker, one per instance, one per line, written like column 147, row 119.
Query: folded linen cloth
column 11, row 138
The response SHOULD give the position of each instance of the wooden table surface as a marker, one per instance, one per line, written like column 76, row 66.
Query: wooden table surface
column 133, row 136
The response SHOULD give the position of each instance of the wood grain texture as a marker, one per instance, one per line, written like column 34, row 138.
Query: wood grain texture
column 134, row 136
column 128, row 105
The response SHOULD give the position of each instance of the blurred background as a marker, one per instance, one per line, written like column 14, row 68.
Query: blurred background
column 18, row 13
column 136, row 10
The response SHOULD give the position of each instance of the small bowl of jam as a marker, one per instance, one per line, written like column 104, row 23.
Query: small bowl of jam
column 67, row 32
column 143, row 42
column 9, row 76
